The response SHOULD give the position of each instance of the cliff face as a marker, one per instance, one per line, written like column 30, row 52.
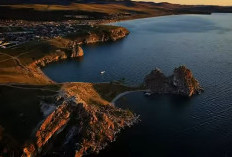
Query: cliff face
column 185, row 83
column 77, row 51
column 87, row 125
column 181, row 82
column 98, row 34
column 111, row 35
column 73, row 51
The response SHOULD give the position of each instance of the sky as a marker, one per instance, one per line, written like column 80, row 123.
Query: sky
column 203, row 2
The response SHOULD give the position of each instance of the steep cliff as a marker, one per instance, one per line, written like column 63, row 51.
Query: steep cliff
column 86, row 121
column 104, row 36
column 182, row 82
column 73, row 51
column 99, row 33
column 77, row 51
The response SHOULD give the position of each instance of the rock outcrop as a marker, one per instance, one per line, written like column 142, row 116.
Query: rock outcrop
column 99, row 34
column 77, row 51
column 54, row 57
column 181, row 82
column 110, row 35
column 86, row 127
column 73, row 52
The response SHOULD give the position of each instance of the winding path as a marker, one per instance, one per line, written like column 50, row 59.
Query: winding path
column 29, row 88
column 15, row 58
column 125, row 93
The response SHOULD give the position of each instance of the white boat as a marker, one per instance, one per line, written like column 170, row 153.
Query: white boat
column 147, row 94
column 102, row 72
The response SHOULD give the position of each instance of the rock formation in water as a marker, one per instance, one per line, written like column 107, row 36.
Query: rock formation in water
column 77, row 51
column 181, row 82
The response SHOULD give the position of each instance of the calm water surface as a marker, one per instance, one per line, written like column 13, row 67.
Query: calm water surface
column 171, row 125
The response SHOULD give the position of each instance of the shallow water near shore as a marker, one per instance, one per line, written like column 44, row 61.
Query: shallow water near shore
column 171, row 125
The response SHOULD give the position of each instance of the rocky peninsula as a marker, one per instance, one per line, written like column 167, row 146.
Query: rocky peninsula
column 181, row 82
column 82, row 122
column 71, row 117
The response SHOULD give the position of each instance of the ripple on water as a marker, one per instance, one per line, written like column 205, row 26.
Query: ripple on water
column 171, row 126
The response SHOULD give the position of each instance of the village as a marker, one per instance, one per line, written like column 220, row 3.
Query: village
column 17, row 32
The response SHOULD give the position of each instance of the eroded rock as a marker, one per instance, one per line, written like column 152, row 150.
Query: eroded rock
column 90, row 125
column 182, row 82
column 77, row 51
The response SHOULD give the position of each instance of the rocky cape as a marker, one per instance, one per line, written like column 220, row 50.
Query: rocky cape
column 78, row 125
column 181, row 82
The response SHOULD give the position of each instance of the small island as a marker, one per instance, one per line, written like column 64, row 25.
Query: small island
column 181, row 82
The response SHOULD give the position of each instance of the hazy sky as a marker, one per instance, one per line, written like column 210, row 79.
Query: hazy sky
column 208, row 2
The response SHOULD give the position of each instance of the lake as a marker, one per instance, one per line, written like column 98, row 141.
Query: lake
column 170, row 125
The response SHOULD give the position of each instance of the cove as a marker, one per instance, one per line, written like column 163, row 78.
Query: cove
column 170, row 125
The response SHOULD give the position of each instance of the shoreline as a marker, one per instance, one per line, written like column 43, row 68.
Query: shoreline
column 123, row 94
column 90, row 101
column 106, row 23
column 109, row 23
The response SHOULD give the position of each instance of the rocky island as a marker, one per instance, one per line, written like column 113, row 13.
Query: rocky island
column 181, row 82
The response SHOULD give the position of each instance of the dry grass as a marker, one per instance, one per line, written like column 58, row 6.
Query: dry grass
column 18, row 64
column 96, row 93
column 14, row 63
column 110, row 8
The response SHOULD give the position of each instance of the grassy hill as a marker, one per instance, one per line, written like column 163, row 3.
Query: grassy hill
column 54, row 10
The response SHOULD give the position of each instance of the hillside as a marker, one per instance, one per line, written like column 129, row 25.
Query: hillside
column 54, row 10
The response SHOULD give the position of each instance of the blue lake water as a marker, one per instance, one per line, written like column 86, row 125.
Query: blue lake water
column 170, row 125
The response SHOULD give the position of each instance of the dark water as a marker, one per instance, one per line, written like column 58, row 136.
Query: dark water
column 171, row 126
